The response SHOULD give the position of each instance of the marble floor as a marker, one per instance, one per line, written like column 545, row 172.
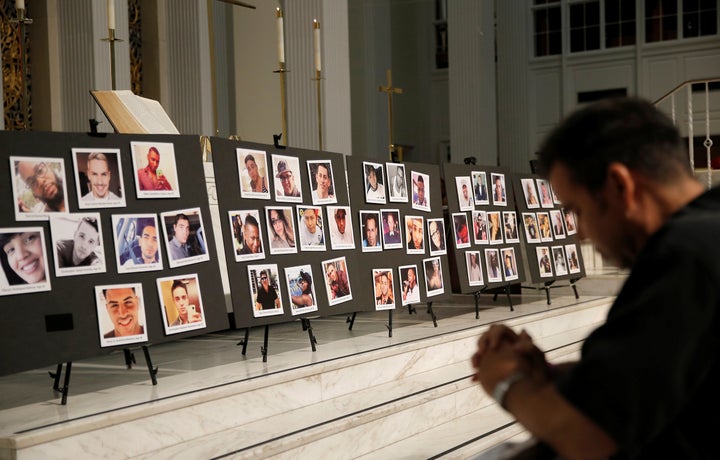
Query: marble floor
column 27, row 400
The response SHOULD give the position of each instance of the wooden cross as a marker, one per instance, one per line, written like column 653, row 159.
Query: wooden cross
column 390, row 90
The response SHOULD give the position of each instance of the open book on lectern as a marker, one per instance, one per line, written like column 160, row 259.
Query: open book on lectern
column 131, row 114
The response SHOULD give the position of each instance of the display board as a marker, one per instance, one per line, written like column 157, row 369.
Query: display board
column 482, row 213
column 88, row 263
column 400, row 233
column 275, row 206
column 549, row 232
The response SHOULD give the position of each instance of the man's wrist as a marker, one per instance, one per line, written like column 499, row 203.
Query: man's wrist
column 499, row 393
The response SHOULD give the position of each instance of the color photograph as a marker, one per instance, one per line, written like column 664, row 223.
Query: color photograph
column 322, row 181
column 492, row 265
column 185, row 242
column 288, row 184
column 370, row 231
column 410, row 287
column 137, row 243
column 311, row 227
column 510, row 270
column 510, row 227
column 474, row 269
column 181, row 301
column 573, row 262
column 532, row 234
column 337, row 283
column 301, row 289
column 436, row 236
column 383, row 287
column 434, row 284
column 98, row 178
column 156, row 170
column 461, row 230
column 481, row 233
column 39, row 187
column 499, row 192
column 341, row 227
column 391, row 231
column 415, row 234
column 464, row 193
column 544, row 263
column 25, row 268
column 253, row 173
column 121, row 314
column 531, row 196
column 480, row 188
column 281, row 230
column 546, row 200
column 374, row 183
column 265, row 294
column 247, row 235
column 421, row 191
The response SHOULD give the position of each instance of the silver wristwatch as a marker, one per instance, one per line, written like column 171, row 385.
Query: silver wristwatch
column 504, row 385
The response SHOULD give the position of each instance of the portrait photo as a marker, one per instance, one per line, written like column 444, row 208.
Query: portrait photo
column 397, row 182
column 374, row 183
column 421, row 191
column 39, row 188
column 415, row 234
column 247, row 235
column 573, row 261
column 499, row 192
column 301, row 289
column 464, row 193
column 181, row 301
column 510, row 227
column 410, row 287
column 253, row 173
column 557, row 221
column 461, row 230
column 77, row 244
column 544, row 263
column 322, row 181
column 98, row 178
column 474, row 269
column 391, row 231
column 288, row 183
column 492, row 265
column 531, row 196
column 559, row 261
column 480, row 188
column 544, row 226
column 481, row 231
column 434, row 283
column 155, row 170
column 510, row 270
column 311, row 228
column 532, row 234
column 137, row 243
column 370, row 231
column 546, row 200
column 495, row 223
column 436, row 236
column 121, row 314
column 383, row 287
column 570, row 224
column 341, row 227
column 265, row 293
column 337, row 282
column 280, row 222
column 25, row 267
column 185, row 241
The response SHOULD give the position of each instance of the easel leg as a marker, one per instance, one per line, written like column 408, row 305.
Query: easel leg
column 507, row 293
column 129, row 358
column 572, row 284
column 66, row 386
column 153, row 371
column 389, row 324
column 264, row 347
column 307, row 327
column 432, row 313
column 411, row 310
column 351, row 320
column 477, row 304
column 56, row 377
column 244, row 342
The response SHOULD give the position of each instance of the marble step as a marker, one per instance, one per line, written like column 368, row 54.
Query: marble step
column 401, row 390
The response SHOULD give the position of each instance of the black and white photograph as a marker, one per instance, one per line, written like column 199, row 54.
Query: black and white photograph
column 434, row 283
column 121, row 314
column 374, row 183
column 531, row 196
column 265, row 294
column 410, row 287
column 464, row 193
column 185, row 241
column 247, row 235
column 337, row 282
column 137, row 243
column 510, row 227
column 558, row 255
column 461, row 230
column 77, row 244
column 480, row 188
column 546, row 200
column 397, row 183
column 492, row 266
column 558, row 227
column 311, row 228
column 341, row 227
column 301, row 289
column 436, row 236
column 481, row 232
column 544, row 262
column 287, row 183
column 415, row 234
column 253, row 173
column 383, row 287
column 181, row 303
column 499, row 192
column 421, row 191
column 391, row 228
column 510, row 270
column 370, row 231
column 474, row 268
column 532, row 233
column 322, row 181
column 25, row 268
column 280, row 229
column 39, row 187
column 155, row 170
column 98, row 178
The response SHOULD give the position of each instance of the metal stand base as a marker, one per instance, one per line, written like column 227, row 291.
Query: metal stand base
column 56, row 381
column 307, row 327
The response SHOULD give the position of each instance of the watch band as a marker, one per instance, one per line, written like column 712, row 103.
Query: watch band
column 504, row 385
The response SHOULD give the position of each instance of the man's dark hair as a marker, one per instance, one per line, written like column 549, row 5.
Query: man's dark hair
column 91, row 221
column 177, row 284
column 251, row 220
column 180, row 216
column 630, row 131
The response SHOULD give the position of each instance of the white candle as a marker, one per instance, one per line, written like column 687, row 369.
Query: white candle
column 281, row 39
column 316, row 44
column 19, row 4
column 111, row 14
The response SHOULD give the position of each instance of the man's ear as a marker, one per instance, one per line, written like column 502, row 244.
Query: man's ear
column 621, row 187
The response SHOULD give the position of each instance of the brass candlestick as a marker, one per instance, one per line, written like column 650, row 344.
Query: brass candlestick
column 22, row 23
column 111, row 40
